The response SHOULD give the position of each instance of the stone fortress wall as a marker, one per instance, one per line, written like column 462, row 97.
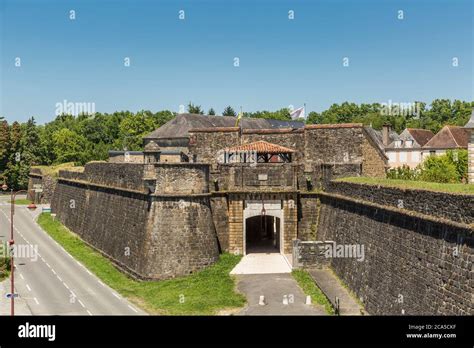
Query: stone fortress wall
column 47, row 182
column 128, row 212
column 418, row 246
column 162, row 220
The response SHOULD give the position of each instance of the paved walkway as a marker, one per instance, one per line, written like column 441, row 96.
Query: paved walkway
column 21, row 307
column 276, row 288
column 332, row 288
column 262, row 263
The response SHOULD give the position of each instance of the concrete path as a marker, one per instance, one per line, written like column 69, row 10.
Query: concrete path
column 50, row 280
column 332, row 288
column 262, row 263
column 276, row 288
column 21, row 306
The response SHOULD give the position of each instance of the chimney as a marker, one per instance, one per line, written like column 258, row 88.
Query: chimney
column 386, row 134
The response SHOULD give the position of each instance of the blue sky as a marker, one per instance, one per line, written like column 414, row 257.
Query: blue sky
column 282, row 62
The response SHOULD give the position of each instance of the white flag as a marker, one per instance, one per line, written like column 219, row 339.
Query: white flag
column 298, row 113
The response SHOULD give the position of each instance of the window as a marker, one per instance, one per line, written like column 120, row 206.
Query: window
column 403, row 157
column 392, row 157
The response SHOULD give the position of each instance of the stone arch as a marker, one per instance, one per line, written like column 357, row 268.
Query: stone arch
column 273, row 209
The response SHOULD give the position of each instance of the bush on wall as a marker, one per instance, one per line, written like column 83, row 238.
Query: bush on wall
column 448, row 168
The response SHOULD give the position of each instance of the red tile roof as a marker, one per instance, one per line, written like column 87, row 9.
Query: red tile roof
column 261, row 147
column 272, row 131
column 421, row 136
column 214, row 129
column 450, row 137
column 338, row 125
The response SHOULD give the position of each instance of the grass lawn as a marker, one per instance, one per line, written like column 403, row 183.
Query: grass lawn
column 202, row 293
column 54, row 170
column 411, row 184
column 309, row 287
column 21, row 201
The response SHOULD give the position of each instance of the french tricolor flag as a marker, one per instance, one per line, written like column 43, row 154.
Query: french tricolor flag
column 298, row 113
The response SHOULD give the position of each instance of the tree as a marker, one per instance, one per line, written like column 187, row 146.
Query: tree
column 282, row 114
column 211, row 112
column 228, row 111
column 69, row 146
column 195, row 109
column 438, row 169
column 4, row 144
column 459, row 159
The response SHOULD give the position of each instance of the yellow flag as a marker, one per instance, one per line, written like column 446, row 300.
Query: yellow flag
column 239, row 116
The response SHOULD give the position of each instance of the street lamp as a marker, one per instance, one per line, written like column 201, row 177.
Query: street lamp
column 31, row 206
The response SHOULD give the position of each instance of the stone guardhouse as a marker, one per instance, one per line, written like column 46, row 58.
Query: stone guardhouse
column 203, row 186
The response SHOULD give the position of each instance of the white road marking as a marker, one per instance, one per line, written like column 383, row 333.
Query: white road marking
column 49, row 266
column 21, row 276
column 116, row 295
column 133, row 309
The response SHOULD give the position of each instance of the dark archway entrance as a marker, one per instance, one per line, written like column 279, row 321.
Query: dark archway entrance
column 262, row 234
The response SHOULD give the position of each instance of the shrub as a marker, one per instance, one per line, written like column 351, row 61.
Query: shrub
column 439, row 169
column 459, row 159
column 4, row 260
column 403, row 173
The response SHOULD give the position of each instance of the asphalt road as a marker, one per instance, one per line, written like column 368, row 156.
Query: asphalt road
column 55, row 283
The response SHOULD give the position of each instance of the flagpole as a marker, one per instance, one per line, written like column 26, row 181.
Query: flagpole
column 240, row 124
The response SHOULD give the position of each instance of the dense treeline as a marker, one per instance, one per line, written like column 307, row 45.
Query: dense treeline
column 89, row 137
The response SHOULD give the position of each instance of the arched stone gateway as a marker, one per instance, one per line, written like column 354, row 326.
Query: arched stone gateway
column 263, row 227
column 262, row 223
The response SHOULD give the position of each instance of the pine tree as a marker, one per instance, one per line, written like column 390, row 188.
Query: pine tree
column 228, row 111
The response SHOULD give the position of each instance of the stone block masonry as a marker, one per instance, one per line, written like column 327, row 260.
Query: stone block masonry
column 416, row 260
column 470, row 154
column 48, row 185
column 148, row 234
column 455, row 207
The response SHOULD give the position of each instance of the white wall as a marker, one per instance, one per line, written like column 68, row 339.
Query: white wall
column 407, row 157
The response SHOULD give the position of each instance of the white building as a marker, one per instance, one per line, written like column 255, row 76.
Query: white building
column 407, row 149
column 470, row 147
column 448, row 138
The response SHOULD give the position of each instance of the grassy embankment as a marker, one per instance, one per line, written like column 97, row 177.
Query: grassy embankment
column 53, row 171
column 411, row 184
column 4, row 261
column 21, row 201
column 307, row 284
column 203, row 293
